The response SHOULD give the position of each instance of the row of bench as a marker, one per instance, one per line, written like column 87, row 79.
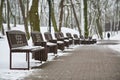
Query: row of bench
column 18, row 43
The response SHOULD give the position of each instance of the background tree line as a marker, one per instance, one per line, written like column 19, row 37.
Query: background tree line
column 87, row 16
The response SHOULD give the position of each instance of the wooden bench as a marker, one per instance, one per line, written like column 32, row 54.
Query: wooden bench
column 88, row 40
column 70, row 37
column 18, row 44
column 48, row 37
column 37, row 39
column 76, row 39
column 60, row 38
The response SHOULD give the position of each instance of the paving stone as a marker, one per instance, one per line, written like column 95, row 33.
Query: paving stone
column 88, row 62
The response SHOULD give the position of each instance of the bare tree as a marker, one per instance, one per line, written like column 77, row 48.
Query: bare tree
column 52, row 14
column 67, row 17
column 34, row 16
column 1, row 16
column 61, row 14
column 86, row 32
column 77, row 22
column 24, row 18
column 8, row 15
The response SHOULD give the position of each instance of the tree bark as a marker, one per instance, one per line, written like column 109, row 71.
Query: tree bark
column 77, row 22
column 34, row 16
column 1, row 10
column 61, row 14
column 98, row 21
column 24, row 18
column 1, row 17
column 53, row 17
column 67, row 17
column 86, row 32
column 8, row 15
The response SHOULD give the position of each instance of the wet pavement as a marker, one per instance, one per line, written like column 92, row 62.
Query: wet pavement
column 108, row 42
column 86, row 62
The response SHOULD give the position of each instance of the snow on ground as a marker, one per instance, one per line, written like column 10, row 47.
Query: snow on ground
column 115, row 47
column 19, row 59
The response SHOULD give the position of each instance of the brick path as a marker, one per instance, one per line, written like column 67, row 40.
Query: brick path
column 89, row 62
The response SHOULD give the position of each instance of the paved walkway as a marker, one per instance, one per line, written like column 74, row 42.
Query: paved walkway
column 89, row 62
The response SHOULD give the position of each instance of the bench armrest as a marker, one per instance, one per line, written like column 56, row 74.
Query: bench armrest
column 43, row 44
column 60, row 39
column 37, row 43
column 53, row 41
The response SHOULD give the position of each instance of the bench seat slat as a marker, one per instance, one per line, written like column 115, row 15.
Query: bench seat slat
column 28, row 48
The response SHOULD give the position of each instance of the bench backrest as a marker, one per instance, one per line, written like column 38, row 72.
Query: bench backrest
column 75, row 35
column 48, row 36
column 36, row 36
column 81, row 37
column 57, row 35
column 68, row 35
column 61, row 34
column 16, row 38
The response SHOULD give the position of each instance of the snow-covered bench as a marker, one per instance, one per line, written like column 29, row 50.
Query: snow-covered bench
column 88, row 40
column 76, row 39
column 49, row 38
column 61, row 38
column 37, row 39
column 18, row 44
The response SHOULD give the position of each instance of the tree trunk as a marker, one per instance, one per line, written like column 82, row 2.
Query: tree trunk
column 27, row 11
column 98, row 21
column 14, row 16
column 8, row 15
column 53, row 17
column 1, row 10
column 34, row 16
column 24, row 18
column 67, row 17
column 61, row 14
column 86, row 31
column 1, row 17
column 77, row 22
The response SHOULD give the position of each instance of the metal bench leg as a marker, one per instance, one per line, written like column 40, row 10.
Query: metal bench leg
column 28, row 57
column 10, row 60
column 28, row 62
